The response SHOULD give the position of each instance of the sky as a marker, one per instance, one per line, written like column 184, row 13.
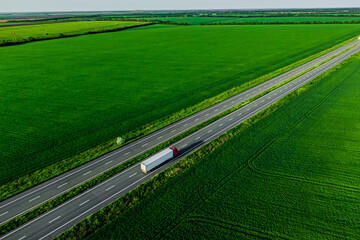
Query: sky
column 100, row 5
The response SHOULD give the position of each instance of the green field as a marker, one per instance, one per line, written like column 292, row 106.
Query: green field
column 198, row 20
column 61, row 97
column 293, row 175
column 11, row 23
column 53, row 30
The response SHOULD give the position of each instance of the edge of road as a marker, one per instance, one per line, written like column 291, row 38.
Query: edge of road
column 29, row 181
column 82, row 187
column 123, row 203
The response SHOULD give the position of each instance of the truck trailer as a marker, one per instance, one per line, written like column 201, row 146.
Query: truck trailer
column 158, row 159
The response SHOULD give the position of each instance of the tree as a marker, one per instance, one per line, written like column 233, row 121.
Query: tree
column 120, row 141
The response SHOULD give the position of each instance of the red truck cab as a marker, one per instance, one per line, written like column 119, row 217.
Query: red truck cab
column 175, row 151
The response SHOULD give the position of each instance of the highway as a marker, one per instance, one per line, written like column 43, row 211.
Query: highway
column 73, row 211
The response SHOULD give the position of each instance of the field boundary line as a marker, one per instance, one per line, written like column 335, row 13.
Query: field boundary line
column 9, row 44
column 255, row 169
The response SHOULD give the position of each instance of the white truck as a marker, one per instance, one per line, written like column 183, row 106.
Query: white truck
column 158, row 159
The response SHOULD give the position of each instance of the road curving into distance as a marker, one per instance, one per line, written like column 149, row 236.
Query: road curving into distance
column 63, row 217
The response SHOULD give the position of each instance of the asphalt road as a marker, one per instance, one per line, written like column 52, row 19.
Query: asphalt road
column 73, row 211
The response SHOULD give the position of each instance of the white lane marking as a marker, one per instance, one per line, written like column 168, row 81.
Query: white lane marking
column 90, row 190
column 221, row 125
column 197, row 138
column 209, row 131
column 127, row 153
column 239, row 114
column 207, row 114
column 184, row 145
column 62, row 185
column 230, row 119
column 132, row 175
column 97, row 162
column 173, row 130
column 247, row 95
column 55, row 219
column 22, row 238
column 248, row 115
column 196, row 120
column 185, row 125
column 262, row 101
column 216, row 110
column 225, row 106
column 160, row 137
column 34, row 199
column 4, row 213
column 84, row 203
column 110, row 188
column 85, row 212
column 255, row 105
column 233, row 102
column 269, row 97
column 144, row 145
column 87, row 173
column 108, row 162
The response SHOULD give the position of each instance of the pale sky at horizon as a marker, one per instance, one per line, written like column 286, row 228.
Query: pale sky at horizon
column 111, row 5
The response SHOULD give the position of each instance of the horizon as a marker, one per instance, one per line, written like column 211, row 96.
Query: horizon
column 185, row 9
column 25, row 6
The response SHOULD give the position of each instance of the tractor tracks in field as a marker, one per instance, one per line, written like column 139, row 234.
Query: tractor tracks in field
column 256, row 233
column 251, row 165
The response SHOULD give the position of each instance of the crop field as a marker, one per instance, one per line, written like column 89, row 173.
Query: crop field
column 11, row 23
column 53, row 30
column 68, row 95
column 198, row 20
column 292, row 175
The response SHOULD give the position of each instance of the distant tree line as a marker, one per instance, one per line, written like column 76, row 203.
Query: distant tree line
column 171, row 23
column 281, row 23
column 277, row 15
column 148, row 20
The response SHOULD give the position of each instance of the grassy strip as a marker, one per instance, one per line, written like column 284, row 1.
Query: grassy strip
column 105, row 215
column 31, row 39
column 30, row 180
column 17, row 222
